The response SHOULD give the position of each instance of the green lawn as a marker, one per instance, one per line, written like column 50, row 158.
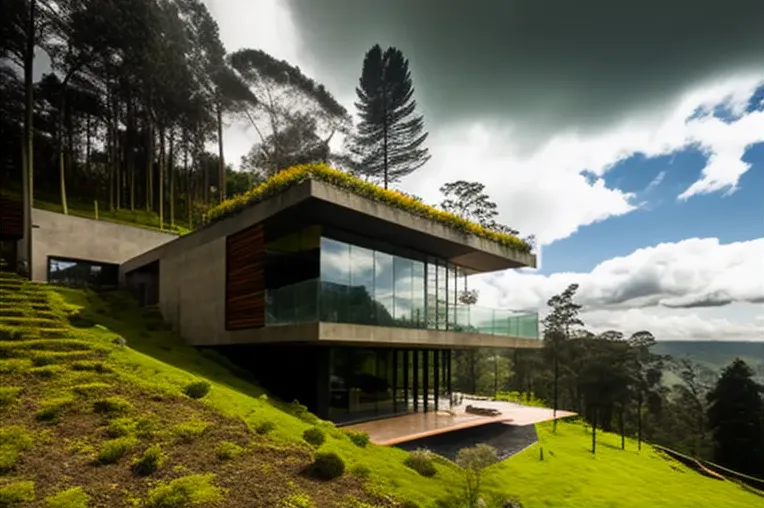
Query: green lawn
column 571, row 477
column 156, row 362
column 47, row 358
column 137, row 218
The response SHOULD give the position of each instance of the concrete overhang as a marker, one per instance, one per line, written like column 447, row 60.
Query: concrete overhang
column 315, row 202
column 375, row 336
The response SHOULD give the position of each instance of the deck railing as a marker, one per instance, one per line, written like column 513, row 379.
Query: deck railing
column 314, row 300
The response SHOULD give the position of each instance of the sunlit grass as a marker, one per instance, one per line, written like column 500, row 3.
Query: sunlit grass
column 159, row 360
column 571, row 477
column 156, row 361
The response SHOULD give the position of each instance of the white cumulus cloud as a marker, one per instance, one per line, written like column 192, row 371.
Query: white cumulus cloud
column 709, row 288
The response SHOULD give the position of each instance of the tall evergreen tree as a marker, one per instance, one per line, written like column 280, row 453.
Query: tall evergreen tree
column 557, row 327
column 390, row 138
column 734, row 415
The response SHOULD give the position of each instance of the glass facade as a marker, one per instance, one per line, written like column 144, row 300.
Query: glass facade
column 369, row 383
column 346, row 283
column 365, row 286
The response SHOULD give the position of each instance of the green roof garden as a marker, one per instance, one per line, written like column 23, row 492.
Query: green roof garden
column 296, row 175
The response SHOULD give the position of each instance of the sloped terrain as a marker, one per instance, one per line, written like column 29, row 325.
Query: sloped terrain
column 102, row 405
column 80, row 409
column 569, row 476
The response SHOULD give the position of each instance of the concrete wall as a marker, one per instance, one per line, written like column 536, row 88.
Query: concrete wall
column 67, row 236
column 192, row 292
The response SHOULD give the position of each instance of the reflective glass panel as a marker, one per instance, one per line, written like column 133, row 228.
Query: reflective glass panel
column 335, row 280
column 384, row 288
column 361, row 292
column 418, row 294
column 402, row 268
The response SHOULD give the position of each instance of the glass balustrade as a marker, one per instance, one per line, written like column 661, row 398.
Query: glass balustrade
column 316, row 300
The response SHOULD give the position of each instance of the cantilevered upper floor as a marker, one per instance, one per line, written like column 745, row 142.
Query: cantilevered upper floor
column 316, row 261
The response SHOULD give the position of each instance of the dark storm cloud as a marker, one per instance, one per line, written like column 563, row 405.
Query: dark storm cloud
column 548, row 65
column 712, row 299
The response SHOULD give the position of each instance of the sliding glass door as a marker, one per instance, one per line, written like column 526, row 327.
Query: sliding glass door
column 367, row 383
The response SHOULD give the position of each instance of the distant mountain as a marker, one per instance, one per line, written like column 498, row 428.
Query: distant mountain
column 716, row 354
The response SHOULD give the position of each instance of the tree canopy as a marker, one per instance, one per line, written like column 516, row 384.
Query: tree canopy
column 390, row 138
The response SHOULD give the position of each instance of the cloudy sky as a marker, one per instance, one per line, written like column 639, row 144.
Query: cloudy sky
column 628, row 137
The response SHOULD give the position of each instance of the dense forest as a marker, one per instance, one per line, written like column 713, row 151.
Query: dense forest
column 133, row 110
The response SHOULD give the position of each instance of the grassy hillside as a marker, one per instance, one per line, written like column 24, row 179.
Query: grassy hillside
column 136, row 218
column 571, row 477
column 79, row 409
column 90, row 421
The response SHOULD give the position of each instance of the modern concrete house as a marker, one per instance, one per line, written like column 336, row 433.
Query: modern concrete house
column 345, row 303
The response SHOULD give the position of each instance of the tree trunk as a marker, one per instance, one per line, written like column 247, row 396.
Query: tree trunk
column 186, row 175
column 639, row 422
column 117, row 170
column 71, row 170
column 161, row 177
column 130, row 136
column 594, row 432
column 109, row 165
column 117, row 151
column 205, row 182
column 171, row 176
column 149, row 164
column 87, row 144
column 620, row 428
column 28, row 167
column 555, row 388
column 110, row 149
column 61, row 157
column 221, row 160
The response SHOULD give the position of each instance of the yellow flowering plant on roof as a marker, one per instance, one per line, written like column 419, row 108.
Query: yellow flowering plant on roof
column 321, row 172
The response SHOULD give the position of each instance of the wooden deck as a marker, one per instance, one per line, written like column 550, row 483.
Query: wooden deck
column 400, row 429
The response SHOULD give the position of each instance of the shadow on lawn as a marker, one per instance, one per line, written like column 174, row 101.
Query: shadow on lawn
column 146, row 333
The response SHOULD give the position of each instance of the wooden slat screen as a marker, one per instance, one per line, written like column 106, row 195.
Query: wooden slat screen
column 11, row 218
column 245, row 283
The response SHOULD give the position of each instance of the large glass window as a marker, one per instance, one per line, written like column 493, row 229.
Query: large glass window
column 432, row 295
column 360, row 383
column 418, row 294
column 442, row 297
column 361, row 292
column 384, row 286
column 365, row 286
column 335, row 281
column 293, row 258
column 335, row 262
column 373, row 382
column 404, row 301
column 73, row 272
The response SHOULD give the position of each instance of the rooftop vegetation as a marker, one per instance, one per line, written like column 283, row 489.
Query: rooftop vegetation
column 320, row 172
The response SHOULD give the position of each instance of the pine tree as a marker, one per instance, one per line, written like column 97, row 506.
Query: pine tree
column 734, row 415
column 390, row 138
column 557, row 328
